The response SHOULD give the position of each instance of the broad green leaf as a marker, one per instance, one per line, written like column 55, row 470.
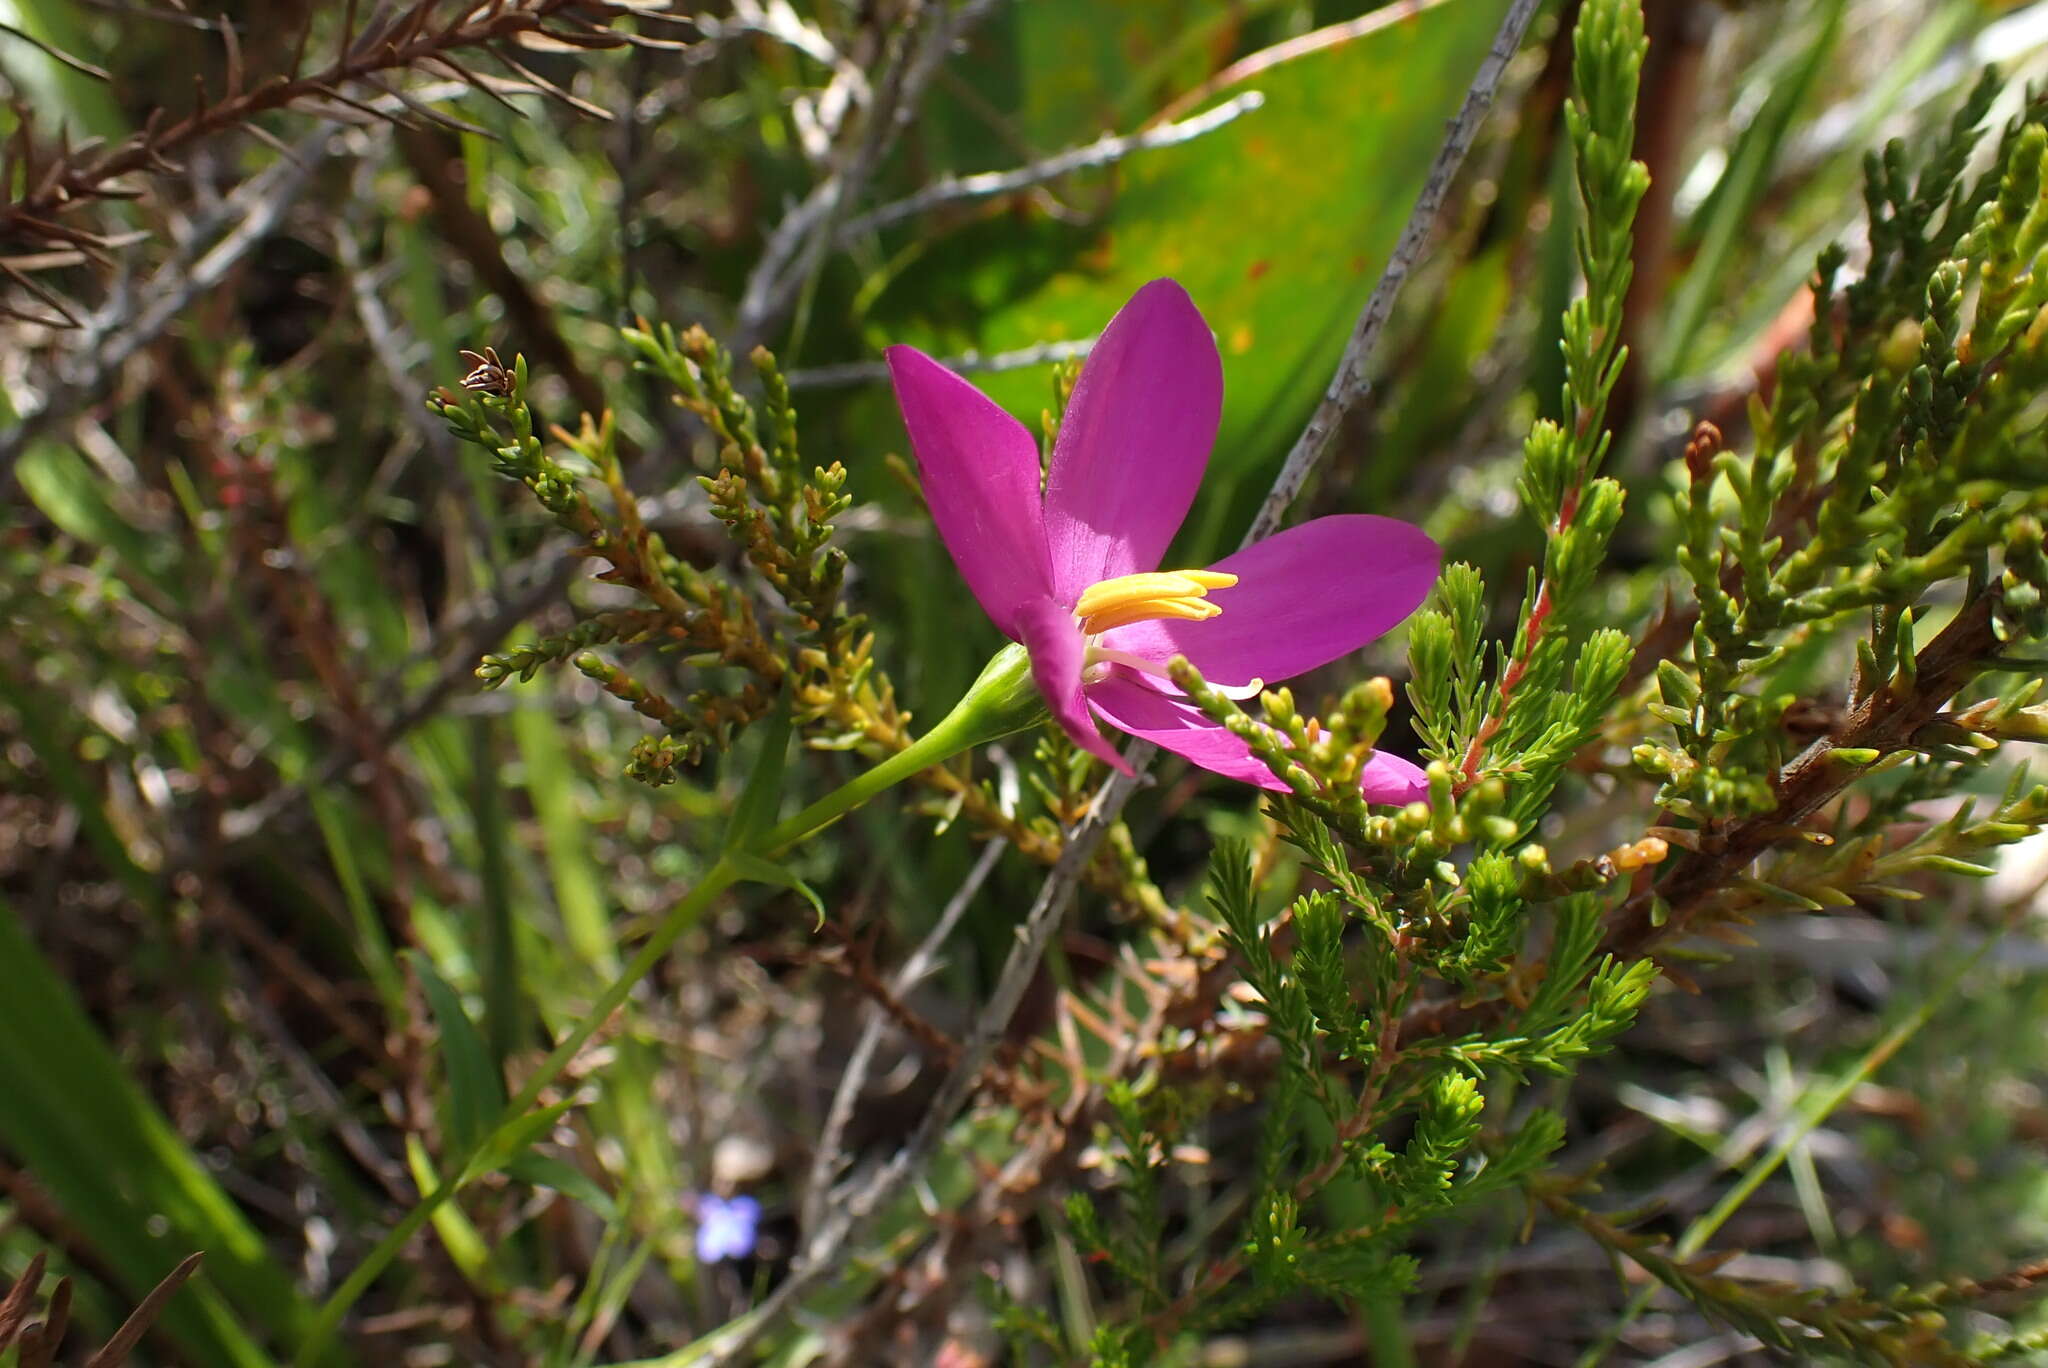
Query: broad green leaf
column 546, row 1171
column 56, row 91
column 1278, row 224
column 1064, row 70
column 1441, row 387
column 514, row 1138
column 73, row 496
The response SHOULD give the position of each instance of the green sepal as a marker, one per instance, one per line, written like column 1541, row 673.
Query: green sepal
column 1003, row 699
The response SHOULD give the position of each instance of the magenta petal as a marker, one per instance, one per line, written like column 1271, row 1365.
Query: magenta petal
column 980, row 471
column 1303, row 598
column 1134, row 441
column 1185, row 730
column 1390, row 779
column 1058, row 650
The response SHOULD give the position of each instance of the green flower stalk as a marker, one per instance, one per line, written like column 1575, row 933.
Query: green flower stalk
column 1001, row 701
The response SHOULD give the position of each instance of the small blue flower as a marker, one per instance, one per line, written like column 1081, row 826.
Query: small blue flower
column 726, row 1227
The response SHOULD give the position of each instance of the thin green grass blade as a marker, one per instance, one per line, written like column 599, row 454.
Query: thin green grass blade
column 120, row 1174
column 476, row 1091
column 498, row 957
column 372, row 944
column 1820, row 1101
column 556, row 788
column 552, row 783
column 1733, row 204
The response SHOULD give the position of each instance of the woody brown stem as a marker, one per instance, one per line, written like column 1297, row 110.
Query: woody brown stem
column 1884, row 722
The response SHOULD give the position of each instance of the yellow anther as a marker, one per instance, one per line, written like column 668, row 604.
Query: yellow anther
column 1144, row 610
column 1163, row 584
column 1160, row 594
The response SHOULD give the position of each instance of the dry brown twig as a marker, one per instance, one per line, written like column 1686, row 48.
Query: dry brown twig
column 1685, row 899
column 1885, row 722
column 36, row 1343
column 796, row 246
column 54, row 186
column 410, row 39
column 136, row 317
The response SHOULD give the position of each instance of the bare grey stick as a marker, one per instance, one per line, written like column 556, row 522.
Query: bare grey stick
column 868, row 1195
column 861, row 1197
column 244, row 217
column 796, row 244
column 826, row 1160
column 114, row 334
column 1349, row 386
column 779, row 20
column 1102, row 152
column 389, row 346
column 817, row 117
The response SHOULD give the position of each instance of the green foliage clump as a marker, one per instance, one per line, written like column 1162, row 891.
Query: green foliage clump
column 1891, row 481
column 436, row 1036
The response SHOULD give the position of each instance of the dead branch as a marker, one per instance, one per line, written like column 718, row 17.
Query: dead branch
column 56, row 185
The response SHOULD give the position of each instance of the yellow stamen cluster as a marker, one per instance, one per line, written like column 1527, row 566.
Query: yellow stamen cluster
column 1126, row 599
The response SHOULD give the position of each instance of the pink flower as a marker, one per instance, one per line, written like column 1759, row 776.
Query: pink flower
column 1065, row 573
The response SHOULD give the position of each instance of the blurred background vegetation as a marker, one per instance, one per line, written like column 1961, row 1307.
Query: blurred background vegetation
column 259, row 826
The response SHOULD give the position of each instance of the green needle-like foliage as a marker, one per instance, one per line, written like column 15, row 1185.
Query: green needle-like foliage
column 446, row 1028
column 1882, row 512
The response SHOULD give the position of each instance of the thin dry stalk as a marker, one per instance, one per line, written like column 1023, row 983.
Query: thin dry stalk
column 56, row 184
column 822, row 1253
